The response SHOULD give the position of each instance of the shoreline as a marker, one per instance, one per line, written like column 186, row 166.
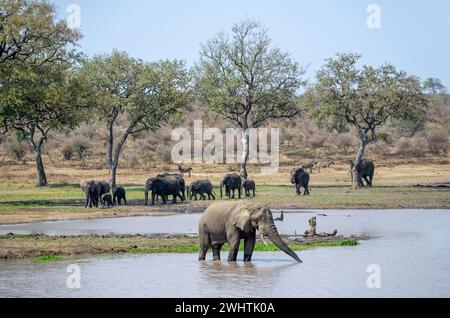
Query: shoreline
column 43, row 248
column 100, row 213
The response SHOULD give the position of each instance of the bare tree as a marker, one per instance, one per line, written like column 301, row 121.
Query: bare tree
column 246, row 81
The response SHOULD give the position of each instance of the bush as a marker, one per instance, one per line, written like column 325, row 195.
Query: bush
column 78, row 147
column 317, row 141
column 345, row 142
column 380, row 148
column 17, row 150
column 438, row 141
column 81, row 147
column 67, row 151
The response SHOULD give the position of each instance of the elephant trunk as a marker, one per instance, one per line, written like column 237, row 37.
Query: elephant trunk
column 221, row 190
column 273, row 235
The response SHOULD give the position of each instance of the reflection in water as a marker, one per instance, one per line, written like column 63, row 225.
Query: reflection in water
column 248, row 277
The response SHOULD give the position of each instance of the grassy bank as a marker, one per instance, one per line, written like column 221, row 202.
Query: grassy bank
column 42, row 248
column 395, row 187
column 23, row 204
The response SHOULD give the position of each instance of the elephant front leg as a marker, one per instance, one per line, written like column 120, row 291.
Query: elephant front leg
column 249, row 246
column 234, row 249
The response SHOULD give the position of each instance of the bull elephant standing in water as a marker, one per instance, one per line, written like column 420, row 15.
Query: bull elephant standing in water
column 229, row 222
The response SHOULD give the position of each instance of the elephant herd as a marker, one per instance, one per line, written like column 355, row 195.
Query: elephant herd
column 172, row 184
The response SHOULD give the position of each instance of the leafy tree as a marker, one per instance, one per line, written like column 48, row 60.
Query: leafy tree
column 433, row 86
column 141, row 95
column 365, row 98
column 36, row 100
column 38, row 94
column 246, row 81
column 30, row 33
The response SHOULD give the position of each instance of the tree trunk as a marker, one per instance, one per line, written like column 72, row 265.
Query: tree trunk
column 42, row 178
column 246, row 141
column 356, row 177
column 112, row 175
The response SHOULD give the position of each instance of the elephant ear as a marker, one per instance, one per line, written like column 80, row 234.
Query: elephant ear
column 241, row 219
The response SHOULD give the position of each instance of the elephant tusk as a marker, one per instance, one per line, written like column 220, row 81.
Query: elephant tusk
column 262, row 239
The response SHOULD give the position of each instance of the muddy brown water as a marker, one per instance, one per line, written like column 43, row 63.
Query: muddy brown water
column 410, row 248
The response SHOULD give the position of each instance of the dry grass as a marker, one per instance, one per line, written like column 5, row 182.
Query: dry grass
column 22, row 202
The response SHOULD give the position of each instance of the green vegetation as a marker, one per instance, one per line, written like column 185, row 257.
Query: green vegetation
column 365, row 99
column 47, row 259
column 41, row 248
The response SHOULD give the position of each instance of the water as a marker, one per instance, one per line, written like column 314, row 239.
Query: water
column 411, row 250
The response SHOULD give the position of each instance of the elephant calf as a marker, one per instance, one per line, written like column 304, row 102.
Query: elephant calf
column 119, row 194
column 229, row 222
column 249, row 186
column 107, row 200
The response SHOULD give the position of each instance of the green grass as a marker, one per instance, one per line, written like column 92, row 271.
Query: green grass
column 47, row 259
column 190, row 248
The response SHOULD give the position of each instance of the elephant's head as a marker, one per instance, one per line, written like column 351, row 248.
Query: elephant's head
column 296, row 173
column 249, row 218
column 192, row 189
column 224, row 183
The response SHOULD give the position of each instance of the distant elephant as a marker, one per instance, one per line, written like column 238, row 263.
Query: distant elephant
column 366, row 169
column 231, row 182
column 88, row 189
column 230, row 222
column 94, row 190
column 107, row 200
column 119, row 194
column 164, row 186
column 180, row 178
column 201, row 187
column 249, row 185
column 300, row 178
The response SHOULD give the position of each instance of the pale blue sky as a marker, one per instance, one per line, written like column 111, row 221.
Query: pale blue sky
column 414, row 35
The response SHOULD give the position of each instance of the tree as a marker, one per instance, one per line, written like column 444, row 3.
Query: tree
column 246, row 81
column 37, row 92
column 141, row 95
column 433, row 86
column 365, row 98
column 30, row 33
column 36, row 100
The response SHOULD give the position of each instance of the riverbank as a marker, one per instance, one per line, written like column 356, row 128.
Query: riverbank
column 28, row 204
column 42, row 248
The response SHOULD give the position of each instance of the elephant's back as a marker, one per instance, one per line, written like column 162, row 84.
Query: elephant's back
column 215, row 216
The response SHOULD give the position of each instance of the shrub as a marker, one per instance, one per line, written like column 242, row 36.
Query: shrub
column 67, row 151
column 81, row 147
column 77, row 146
column 380, row 148
column 17, row 150
column 345, row 142
column 438, row 141
column 317, row 141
